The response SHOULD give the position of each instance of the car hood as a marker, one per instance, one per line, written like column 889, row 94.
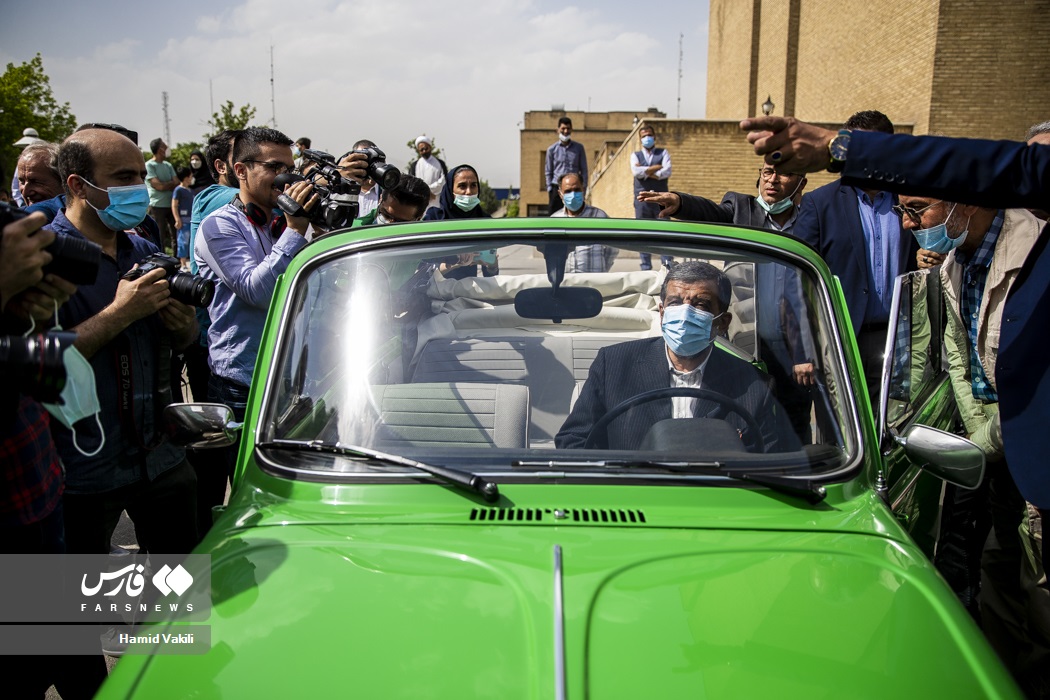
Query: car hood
column 454, row 611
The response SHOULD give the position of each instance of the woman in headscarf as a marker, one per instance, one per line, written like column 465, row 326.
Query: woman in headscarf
column 201, row 172
column 459, row 200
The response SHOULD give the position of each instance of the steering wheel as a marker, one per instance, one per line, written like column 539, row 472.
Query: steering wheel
column 726, row 406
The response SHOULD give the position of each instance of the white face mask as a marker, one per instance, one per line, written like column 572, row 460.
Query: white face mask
column 79, row 397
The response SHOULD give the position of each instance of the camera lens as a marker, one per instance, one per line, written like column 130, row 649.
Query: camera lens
column 191, row 289
column 36, row 363
column 386, row 175
column 74, row 259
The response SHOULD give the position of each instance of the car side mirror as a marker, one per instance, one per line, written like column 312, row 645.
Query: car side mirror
column 200, row 425
column 950, row 457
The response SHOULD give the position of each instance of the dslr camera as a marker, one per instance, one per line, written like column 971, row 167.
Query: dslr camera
column 75, row 260
column 338, row 206
column 34, row 363
column 185, row 287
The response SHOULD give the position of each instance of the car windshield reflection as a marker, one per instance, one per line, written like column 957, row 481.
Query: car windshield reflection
column 728, row 359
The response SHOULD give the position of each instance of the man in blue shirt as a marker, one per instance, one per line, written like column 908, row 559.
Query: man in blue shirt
column 126, row 329
column 859, row 236
column 563, row 156
column 243, row 247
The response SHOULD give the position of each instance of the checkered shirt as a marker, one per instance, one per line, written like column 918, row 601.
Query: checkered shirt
column 31, row 472
column 975, row 275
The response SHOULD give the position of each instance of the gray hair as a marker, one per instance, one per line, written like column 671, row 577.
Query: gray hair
column 1036, row 130
column 696, row 271
column 46, row 150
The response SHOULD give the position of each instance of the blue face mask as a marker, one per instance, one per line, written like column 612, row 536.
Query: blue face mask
column 79, row 398
column 466, row 202
column 936, row 238
column 781, row 206
column 648, row 142
column 573, row 200
column 127, row 206
column 687, row 329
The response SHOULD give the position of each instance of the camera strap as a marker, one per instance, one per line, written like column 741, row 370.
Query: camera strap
column 126, row 394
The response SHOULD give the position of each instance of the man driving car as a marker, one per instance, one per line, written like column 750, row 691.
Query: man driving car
column 693, row 310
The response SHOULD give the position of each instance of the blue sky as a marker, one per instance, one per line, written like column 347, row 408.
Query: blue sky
column 462, row 72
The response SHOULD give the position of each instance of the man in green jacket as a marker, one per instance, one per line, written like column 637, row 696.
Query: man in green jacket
column 985, row 249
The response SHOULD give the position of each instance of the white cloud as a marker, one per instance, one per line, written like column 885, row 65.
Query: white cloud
column 464, row 73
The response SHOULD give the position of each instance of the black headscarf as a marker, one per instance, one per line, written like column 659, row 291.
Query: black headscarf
column 201, row 176
column 447, row 208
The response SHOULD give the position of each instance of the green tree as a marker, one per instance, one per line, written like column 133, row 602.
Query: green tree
column 489, row 203
column 26, row 100
column 229, row 117
column 180, row 153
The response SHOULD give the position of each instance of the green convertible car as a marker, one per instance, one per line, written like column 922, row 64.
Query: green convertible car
column 469, row 469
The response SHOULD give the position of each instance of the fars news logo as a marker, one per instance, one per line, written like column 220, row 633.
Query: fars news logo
column 130, row 584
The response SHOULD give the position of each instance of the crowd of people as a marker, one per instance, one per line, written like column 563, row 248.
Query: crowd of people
column 950, row 207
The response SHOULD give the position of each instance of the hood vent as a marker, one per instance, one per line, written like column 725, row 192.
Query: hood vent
column 558, row 516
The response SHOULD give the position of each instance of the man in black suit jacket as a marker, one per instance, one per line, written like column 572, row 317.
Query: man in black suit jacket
column 628, row 369
column 860, row 238
column 783, row 332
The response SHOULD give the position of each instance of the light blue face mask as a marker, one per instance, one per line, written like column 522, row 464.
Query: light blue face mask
column 936, row 238
column 648, row 142
column 127, row 206
column 780, row 206
column 466, row 202
column 573, row 200
column 79, row 398
column 687, row 329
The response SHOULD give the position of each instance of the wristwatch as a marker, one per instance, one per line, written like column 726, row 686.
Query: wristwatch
column 837, row 151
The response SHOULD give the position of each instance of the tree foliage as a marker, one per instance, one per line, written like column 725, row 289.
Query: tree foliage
column 26, row 100
column 179, row 155
column 230, row 117
column 489, row 203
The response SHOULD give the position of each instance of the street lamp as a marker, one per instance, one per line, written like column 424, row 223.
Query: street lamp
column 767, row 106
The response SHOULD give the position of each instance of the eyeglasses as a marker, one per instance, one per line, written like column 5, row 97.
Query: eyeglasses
column 914, row 214
column 770, row 173
column 274, row 166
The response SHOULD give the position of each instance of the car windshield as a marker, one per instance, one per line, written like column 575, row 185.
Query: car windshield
column 464, row 354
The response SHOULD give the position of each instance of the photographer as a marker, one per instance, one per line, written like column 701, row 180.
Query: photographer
column 126, row 329
column 31, row 513
column 243, row 247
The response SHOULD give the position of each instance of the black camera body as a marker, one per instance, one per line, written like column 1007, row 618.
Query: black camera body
column 185, row 287
column 75, row 260
column 338, row 206
column 384, row 174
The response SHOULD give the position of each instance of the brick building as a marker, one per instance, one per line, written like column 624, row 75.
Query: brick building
column 953, row 67
column 592, row 129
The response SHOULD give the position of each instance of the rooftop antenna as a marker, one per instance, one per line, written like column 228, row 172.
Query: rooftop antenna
column 273, row 102
column 678, row 115
column 167, row 121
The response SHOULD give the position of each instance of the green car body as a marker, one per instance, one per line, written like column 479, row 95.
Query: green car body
column 576, row 587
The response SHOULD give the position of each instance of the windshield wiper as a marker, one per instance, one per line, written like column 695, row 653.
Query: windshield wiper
column 465, row 480
column 807, row 490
